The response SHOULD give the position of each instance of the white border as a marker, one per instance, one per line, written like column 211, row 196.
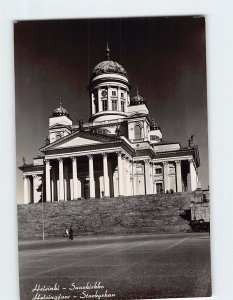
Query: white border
column 219, row 16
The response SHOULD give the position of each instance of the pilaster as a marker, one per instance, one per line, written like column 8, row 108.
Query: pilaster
column 148, row 177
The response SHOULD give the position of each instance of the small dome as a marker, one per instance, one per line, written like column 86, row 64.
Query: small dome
column 60, row 111
column 136, row 100
column 108, row 67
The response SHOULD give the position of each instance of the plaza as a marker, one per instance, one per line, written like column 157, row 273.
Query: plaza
column 130, row 267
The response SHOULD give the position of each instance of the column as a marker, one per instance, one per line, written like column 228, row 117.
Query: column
column 166, row 176
column 109, row 99
column 92, row 104
column 178, row 176
column 120, row 175
column 48, row 181
column 118, row 99
column 106, row 177
column 91, row 177
column 75, row 180
column 134, row 171
column 152, row 177
column 124, row 174
column 61, row 180
column 25, row 189
column 34, row 188
column 193, row 175
column 130, row 177
column 99, row 100
column 147, row 177
column 127, row 178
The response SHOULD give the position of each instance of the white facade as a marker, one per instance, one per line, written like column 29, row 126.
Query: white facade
column 119, row 152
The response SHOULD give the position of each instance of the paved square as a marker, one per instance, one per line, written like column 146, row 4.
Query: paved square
column 121, row 267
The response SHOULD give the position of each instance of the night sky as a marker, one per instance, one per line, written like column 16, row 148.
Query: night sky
column 165, row 57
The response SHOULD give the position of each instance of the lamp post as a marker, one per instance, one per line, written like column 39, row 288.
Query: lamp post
column 42, row 198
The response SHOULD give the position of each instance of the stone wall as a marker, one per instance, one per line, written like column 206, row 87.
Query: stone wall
column 201, row 210
column 136, row 214
column 200, row 207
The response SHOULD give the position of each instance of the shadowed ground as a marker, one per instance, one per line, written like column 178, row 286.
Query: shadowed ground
column 129, row 267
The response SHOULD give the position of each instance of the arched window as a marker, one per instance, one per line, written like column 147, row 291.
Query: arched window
column 137, row 132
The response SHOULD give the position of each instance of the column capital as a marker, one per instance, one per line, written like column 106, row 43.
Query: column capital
column 146, row 161
column 165, row 163
column 105, row 154
column 25, row 176
column 90, row 156
column 60, row 159
column 191, row 160
column 119, row 153
column 46, row 160
column 178, row 162
column 34, row 176
column 123, row 156
column 73, row 158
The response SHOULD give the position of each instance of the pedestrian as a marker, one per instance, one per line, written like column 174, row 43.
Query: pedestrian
column 71, row 233
column 66, row 233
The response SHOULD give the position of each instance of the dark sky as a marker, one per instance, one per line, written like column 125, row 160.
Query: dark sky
column 165, row 57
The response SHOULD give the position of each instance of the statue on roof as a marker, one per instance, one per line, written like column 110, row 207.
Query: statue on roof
column 191, row 140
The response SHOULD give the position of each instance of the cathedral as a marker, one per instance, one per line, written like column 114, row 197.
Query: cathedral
column 119, row 152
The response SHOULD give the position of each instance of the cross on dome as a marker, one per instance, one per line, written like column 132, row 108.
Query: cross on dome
column 107, row 52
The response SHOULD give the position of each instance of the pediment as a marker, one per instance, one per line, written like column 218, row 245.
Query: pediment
column 76, row 142
column 78, row 139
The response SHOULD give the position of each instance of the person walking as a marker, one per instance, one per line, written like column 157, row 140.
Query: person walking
column 71, row 233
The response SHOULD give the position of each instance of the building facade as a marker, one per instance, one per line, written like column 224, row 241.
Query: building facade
column 119, row 152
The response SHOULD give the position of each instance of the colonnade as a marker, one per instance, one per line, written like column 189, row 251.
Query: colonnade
column 109, row 98
column 76, row 192
column 126, row 171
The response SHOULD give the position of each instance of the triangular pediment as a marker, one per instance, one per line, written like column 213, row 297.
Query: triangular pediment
column 78, row 139
column 76, row 142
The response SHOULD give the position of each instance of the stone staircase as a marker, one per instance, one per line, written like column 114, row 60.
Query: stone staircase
column 124, row 215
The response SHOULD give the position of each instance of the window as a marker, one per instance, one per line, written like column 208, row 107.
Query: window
column 159, row 187
column 122, row 95
column 96, row 105
column 137, row 132
column 158, row 171
column 105, row 104
column 114, row 104
column 113, row 93
column 122, row 105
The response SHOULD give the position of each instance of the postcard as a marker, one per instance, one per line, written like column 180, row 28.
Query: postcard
column 112, row 158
